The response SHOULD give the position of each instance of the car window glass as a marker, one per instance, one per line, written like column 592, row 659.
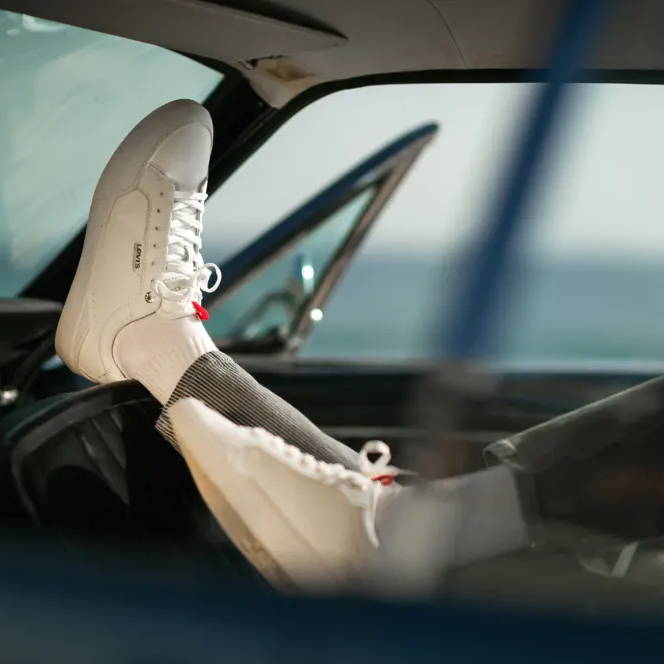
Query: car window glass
column 394, row 281
column 585, row 284
column 269, row 302
column 69, row 96
column 328, row 137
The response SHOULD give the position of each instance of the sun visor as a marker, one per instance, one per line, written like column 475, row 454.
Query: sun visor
column 191, row 26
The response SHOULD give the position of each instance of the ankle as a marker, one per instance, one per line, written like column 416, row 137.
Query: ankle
column 157, row 351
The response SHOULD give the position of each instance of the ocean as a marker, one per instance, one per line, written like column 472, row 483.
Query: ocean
column 567, row 311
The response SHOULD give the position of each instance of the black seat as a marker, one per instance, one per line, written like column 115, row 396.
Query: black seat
column 58, row 450
column 92, row 464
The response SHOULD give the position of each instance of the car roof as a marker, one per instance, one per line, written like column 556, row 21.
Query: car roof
column 289, row 46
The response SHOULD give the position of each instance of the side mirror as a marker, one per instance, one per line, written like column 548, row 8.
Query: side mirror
column 302, row 283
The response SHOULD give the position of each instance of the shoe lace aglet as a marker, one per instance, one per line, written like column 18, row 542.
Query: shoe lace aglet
column 201, row 311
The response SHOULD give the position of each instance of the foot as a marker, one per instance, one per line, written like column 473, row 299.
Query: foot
column 141, row 260
column 302, row 523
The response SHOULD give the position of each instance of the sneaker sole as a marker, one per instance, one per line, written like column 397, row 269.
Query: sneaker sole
column 237, row 531
column 188, row 416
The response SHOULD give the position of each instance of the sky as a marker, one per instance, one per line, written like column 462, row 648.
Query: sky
column 600, row 197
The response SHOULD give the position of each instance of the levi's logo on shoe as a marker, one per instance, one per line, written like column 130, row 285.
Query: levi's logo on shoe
column 138, row 250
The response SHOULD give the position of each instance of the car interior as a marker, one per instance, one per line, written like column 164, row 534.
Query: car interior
column 77, row 461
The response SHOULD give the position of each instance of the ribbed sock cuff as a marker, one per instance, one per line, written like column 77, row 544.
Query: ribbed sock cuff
column 217, row 381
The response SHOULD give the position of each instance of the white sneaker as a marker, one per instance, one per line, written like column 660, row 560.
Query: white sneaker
column 301, row 522
column 141, row 255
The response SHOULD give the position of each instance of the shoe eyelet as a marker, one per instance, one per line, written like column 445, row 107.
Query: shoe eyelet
column 156, row 228
column 148, row 297
column 161, row 193
column 158, row 210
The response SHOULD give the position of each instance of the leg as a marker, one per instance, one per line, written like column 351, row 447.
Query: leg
column 447, row 524
column 217, row 381
column 307, row 524
column 134, row 311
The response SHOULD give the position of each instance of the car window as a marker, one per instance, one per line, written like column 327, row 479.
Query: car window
column 69, row 96
column 270, row 302
column 386, row 304
column 586, row 281
column 585, row 284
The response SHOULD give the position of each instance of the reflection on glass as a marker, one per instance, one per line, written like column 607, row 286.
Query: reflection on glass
column 69, row 96
column 269, row 303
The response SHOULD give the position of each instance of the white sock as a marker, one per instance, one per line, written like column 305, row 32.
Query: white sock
column 427, row 530
column 156, row 351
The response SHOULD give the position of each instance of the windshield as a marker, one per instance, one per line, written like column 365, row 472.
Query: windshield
column 586, row 278
column 69, row 96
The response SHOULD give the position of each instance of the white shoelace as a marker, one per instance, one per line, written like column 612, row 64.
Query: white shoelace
column 185, row 276
column 371, row 472
column 370, row 481
column 378, row 470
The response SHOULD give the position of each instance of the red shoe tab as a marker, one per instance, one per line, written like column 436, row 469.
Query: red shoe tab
column 385, row 480
column 201, row 312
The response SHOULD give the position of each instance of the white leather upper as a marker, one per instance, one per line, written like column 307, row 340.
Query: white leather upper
column 179, row 156
column 314, row 530
column 127, row 231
